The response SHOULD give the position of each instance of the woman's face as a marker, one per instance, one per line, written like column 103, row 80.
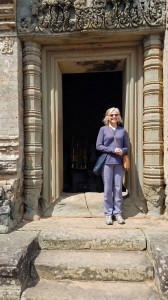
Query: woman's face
column 113, row 117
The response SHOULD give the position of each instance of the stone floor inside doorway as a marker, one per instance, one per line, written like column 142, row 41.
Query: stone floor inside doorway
column 89, row 205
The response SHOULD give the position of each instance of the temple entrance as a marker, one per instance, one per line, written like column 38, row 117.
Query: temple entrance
column 78, row 87
column 86, row 97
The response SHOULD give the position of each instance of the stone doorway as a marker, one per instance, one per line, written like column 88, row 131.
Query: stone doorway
column 86, row 97
column 57, row 63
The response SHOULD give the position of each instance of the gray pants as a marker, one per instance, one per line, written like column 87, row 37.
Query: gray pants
column 113, row 178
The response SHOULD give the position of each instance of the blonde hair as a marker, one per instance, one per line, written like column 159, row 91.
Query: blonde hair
column 110, row 111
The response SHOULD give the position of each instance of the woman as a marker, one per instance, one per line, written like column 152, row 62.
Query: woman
column 113, row 140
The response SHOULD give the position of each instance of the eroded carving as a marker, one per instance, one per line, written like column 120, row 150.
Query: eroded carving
column 101, row 66
column 7, row 203
column 54, row 16
column 7, row 45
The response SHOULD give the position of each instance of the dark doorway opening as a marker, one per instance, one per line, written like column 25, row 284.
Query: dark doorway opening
column 86, row 97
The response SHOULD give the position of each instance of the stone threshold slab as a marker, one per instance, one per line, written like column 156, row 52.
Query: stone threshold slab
column 98, row 239
column 90, row 223
column 88, row 204
column 93, row 265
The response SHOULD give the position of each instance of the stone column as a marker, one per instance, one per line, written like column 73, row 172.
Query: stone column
column 165, row 104
column 153, row 125
column 32, row 129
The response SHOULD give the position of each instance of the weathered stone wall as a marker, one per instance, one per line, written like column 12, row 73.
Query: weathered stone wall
column 11, row 133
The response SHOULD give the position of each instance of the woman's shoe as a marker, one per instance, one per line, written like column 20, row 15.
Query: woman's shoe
column 109, row 220
column 119, row 219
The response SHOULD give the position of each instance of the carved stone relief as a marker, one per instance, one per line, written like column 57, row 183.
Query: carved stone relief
column 54, row 16
column 7, row 47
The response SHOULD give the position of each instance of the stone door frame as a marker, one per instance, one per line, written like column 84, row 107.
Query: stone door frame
column 52, row 122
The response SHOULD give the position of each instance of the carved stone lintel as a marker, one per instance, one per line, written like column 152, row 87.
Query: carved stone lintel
column 33, row 129
column 53, row 16
column 153, row 125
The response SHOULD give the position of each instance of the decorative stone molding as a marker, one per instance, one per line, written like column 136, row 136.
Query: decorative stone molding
column 153, row 125
column 55, row 16
column 33, row 129
column 7, row 14
column 7, row 45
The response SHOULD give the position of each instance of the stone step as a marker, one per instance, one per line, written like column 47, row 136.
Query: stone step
column 93, row 265
column 93, row 238
column 84, row 290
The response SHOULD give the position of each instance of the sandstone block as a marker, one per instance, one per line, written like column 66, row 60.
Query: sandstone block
column 93, row 265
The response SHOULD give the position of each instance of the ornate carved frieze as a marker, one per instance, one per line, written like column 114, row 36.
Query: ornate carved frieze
column 54, row 16
column 153, row 125
column 7, row 14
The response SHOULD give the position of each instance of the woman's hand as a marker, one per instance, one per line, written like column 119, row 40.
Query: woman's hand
column 118, row 151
